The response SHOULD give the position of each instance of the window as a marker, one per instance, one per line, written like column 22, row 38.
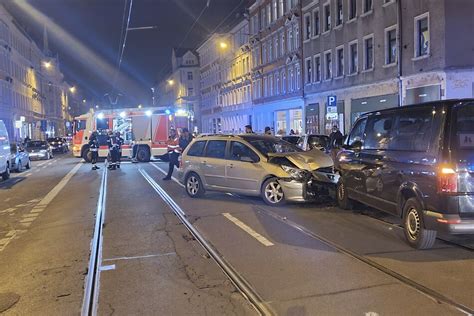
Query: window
column 327, row 17
column 264, row 18
column 298, row 76
column 270, row 50
column 190, row 75
column 412, row 130
column 282, row 44
column 276, row 51
column 422, row 35
column 388, row 1
column 369, row 53
column 190, row 92
column 317, row 68
column 368, row 6
column 328, row 65
column 289, row 45
column 275, row 10
column 353, row 60
column 197, row 149
column 391, row 45
column 297, row 36
column 352, row 9
column 281, row 5
column 308, row 70
column 239, row 152
column 357, row 133
column 277, row 83
column 283, row 82
column 316, row 23
column 269, row 14
column 378, row 132
column 216, row 149
column 307, row 26
column 264, row 52
column 339, row 16
column 340, row 62
column 270, row 85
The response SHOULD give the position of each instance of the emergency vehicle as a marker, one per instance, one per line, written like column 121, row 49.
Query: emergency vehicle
column 145, row 129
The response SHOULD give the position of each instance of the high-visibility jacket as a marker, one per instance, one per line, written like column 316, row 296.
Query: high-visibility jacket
column 173, row 145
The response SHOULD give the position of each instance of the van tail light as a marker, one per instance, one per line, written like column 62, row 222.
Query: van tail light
column 447, row 180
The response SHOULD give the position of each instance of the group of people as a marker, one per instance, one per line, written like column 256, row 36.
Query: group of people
column 114, row 143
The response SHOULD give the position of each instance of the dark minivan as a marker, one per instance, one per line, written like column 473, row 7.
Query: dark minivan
column 416, row 162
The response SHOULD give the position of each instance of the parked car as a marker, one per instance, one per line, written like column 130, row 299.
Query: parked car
column 39, row 149
column 19, row 159
column 312, row 141
column 293, row 139
column 256, row 165
column 4, row 152
column 416, row 162
column 58, row 144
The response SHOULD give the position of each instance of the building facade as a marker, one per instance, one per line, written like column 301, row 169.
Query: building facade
column 33, row 99
column 235, row 91
column 180, row 92
column 277, row 86
column 366, row 55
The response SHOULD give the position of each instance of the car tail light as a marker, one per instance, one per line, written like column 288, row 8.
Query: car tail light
column 447, row 180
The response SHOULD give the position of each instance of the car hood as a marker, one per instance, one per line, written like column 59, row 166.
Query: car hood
column 307, row 160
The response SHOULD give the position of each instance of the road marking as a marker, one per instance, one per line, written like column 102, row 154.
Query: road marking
column 27, row 174
column 264, row 241
column 27, row 220
column 21, row 205
column 141, row 257
column 105, row 268
column 165, row 173
column 30, row 215
column 27, row 224
column 8, row 210
column 34, row 200
column 11, row 233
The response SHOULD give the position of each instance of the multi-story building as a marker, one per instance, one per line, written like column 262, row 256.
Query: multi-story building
column 352, row 51
column 235, row 90
column 180, row 92
column 33, row 100
column 276, row 44
column 211, row 54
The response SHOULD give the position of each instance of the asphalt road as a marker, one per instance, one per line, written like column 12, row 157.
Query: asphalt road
column 311, row 259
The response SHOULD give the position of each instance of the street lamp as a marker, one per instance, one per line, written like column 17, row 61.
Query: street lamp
column 223, row 45
column 139, row 106
column 171, row 82
column 84, row 101
column 72, row 89
column 47, row 64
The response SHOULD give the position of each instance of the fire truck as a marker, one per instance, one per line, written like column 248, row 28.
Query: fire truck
column 145, row 132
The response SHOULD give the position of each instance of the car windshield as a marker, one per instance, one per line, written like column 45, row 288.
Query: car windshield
column 273, row 146
column 36, row 144
column 291, row 139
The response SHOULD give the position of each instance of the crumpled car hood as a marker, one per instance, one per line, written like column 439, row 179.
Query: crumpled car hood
column 307, row 160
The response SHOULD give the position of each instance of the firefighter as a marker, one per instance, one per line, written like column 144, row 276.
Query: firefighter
column 120, row 142
column 94, row 149
column 113, row 150
column 173, row 153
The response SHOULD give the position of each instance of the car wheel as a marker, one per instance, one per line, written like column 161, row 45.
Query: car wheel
column 28, row 165
column 193, row 184
column 415, row 232
column 341, row 195
column 6, row 174
column 143, row 154
column 272, row 192
column 87, row 155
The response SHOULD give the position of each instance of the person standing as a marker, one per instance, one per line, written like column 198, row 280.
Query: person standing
column 113, row 150
column 184, row 139
column 335, row 141
column 248, row 129
column 268, row 131
column 120, row 142
column 94, row 149
column 173, row 153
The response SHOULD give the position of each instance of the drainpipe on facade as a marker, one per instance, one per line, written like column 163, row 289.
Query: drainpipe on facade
column 400, row 51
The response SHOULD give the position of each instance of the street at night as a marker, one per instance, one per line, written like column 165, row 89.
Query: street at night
column 236, row 157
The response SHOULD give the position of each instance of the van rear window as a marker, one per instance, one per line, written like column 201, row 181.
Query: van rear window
column 464, row 127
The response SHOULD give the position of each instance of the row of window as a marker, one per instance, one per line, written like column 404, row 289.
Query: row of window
column 283, row 42
column 238, row 68
column 217, row 149
column 270, row 13
column 236, row 96
column 276, row 83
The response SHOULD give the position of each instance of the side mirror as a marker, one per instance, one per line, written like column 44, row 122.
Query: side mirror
column 356, row 145
column 246, row 159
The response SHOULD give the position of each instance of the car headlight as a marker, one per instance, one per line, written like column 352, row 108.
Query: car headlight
column 295, row 173
column 43, row 150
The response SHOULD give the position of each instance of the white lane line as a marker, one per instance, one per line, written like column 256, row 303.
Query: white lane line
column 8, row 210
column 11, row 233
column 27, row 224
column 165, row 173
column 34, row 200
column 40, row 164
column 28, row 220
column 105, row 268
column 264, row 241
column 141, row 257
column 30, row 215
column 21, row 205
column 27, row 174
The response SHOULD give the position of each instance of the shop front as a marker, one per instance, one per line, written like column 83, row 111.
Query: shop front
column 334, row 116
column 369, row 104
column 282, row 116
column 423, row 94
column 312, row 119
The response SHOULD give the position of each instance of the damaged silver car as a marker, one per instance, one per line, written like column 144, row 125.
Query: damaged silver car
column 256, row 165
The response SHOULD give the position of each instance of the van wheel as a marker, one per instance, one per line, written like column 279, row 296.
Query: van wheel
column 417, row 236
column 6, row 174
column 341, row 195
column 194, row 187
column 272, row 192
column 143, row 154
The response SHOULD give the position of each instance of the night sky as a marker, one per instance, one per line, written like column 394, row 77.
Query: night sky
column 147, row 57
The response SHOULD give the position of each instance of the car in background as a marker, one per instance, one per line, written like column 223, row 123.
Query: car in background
column 39, row 149
column 19, row 159
column 4, row 152
column 415, row 162
column 256, row 165
column 292, row 139
column 58, row 144
column 312, row 141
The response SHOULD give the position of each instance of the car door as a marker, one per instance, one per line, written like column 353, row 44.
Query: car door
column 349, row 160
column 213, row 163
column 376, row 162
column 243, row 170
